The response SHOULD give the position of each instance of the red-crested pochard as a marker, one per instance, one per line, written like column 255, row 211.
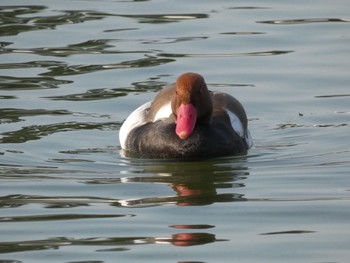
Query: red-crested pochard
column 186, row 120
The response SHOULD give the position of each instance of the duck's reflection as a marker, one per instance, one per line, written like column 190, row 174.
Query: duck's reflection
column 108, row 243
column 195, row 183
column 189, row 239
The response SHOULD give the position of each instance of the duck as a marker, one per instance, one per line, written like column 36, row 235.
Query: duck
column 186, row 120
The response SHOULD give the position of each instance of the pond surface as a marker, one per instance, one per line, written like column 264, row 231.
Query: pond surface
column 72, row 71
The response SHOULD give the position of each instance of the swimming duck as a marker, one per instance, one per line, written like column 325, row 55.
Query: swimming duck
column 186, row 120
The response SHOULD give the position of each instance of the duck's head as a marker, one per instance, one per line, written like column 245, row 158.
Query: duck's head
column 191, row 103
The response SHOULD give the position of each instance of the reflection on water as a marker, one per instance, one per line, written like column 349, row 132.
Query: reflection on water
column 193, row 183
column 179, row 239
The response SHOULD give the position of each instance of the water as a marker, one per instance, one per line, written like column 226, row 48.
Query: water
column 71, row 71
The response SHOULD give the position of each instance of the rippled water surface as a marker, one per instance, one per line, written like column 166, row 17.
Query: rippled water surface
column 72, row 71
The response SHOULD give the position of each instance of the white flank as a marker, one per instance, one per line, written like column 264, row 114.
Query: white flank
column 236, row 123
column 164, row 112
column 238, row 127
column 136, row 118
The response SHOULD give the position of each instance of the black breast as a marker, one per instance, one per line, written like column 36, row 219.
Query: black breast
column 158, row 140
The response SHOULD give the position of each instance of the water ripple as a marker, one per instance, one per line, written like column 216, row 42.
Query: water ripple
column 16, row 23
column 68, row 70
column 248, row 54
column 56, row 217
column 96, row 46
column 12, row 115
column 13, row 201
column 288, row 232
column 102, row 94
column 29, row 83
column 164, row 18
column 35, row 132
column 305, row 21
